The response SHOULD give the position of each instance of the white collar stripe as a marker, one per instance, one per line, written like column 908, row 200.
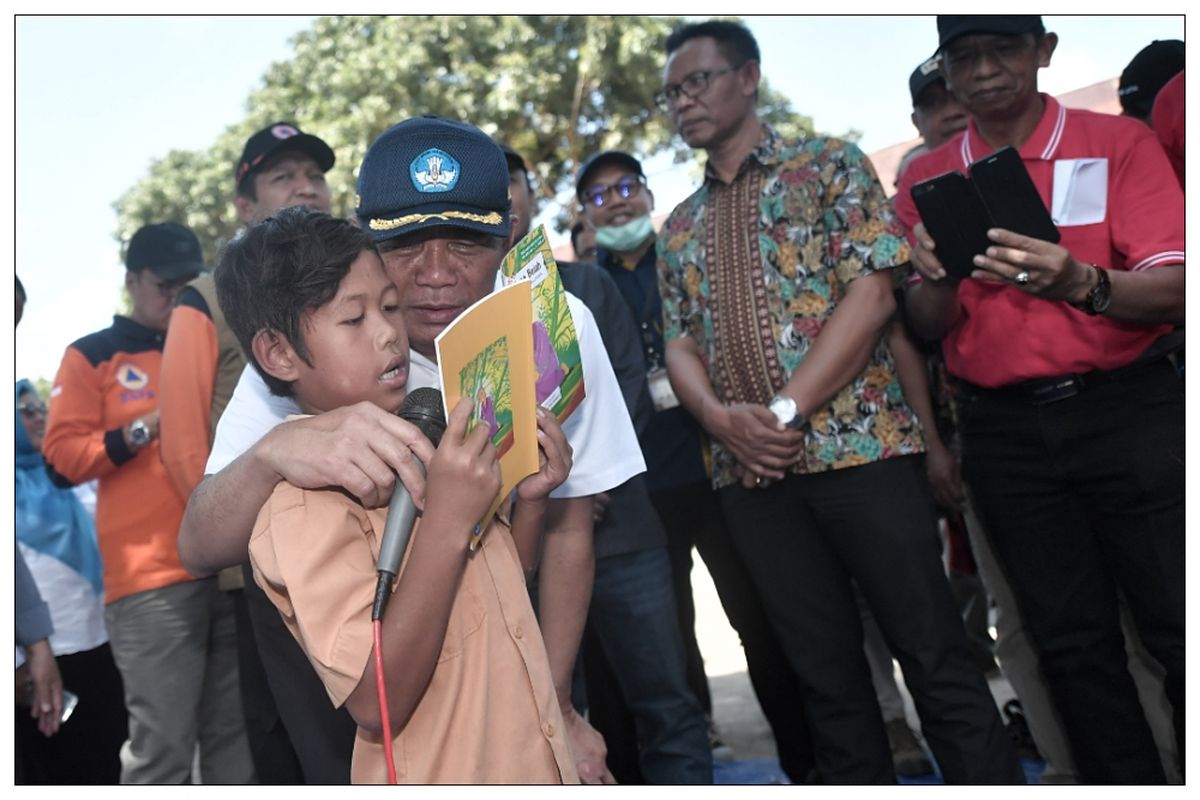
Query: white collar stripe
column 1056, row 134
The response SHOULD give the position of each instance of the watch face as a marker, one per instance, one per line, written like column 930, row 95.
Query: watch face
column 784, row 409
column 139, row 433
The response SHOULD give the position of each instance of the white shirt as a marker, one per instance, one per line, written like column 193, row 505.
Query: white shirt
column 606, row 450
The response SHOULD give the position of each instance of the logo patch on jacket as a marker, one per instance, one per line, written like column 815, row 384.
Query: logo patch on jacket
column 131, row 377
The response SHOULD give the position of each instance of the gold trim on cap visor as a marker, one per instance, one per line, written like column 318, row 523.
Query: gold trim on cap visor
column 412, row 219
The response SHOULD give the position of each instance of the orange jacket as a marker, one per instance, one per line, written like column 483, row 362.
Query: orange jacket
column 106, row 380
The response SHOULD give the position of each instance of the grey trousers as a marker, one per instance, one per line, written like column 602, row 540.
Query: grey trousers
column 176, row 648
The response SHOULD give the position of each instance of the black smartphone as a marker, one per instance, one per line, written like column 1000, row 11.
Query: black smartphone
column 955, row 218
column 1012, row 200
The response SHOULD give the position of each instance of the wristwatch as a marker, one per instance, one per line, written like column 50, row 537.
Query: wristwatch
column 1100, row 296
column 139, row 433
column 784, row 409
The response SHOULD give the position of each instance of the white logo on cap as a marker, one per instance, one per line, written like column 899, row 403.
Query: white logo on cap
column 284, row 132
column 434, row 171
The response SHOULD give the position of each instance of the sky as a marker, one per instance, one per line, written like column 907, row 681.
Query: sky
column 98, row 99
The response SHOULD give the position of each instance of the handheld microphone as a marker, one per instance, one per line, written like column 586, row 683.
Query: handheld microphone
column 423, row 408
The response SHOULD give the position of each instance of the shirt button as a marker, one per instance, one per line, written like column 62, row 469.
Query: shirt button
column 517, row 632
column 548, row 729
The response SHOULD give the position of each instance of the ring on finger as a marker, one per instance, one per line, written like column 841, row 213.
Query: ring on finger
column 1021, row 278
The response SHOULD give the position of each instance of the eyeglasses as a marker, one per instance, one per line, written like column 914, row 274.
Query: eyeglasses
column 1006, row 49
column 693, row 86
column 627, row 187
column 32, row 409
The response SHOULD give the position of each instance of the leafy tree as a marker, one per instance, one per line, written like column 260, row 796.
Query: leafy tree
column 555, row 88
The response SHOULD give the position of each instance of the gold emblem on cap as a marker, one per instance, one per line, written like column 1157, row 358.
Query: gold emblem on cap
column 412, row 219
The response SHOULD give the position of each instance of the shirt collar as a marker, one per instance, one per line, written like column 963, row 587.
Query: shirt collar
column 1041, row 145
column 127, row 326
column 767, row 152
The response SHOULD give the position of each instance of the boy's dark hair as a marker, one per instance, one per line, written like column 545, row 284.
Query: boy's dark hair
column 576, row 229
column 734, row 40
column 281, row 269
column 247, row 188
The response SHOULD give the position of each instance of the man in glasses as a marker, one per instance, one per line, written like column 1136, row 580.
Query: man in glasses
column 103, row 424
column 1071, row 412
column 611, row 187
column 776, row 287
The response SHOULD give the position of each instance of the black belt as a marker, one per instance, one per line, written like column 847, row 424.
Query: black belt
column 1040, row 391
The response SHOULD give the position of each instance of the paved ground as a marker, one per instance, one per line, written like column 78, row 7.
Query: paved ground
column 736, row 711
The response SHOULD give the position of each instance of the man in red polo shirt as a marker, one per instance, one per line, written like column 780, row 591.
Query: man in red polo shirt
column 1071, row 414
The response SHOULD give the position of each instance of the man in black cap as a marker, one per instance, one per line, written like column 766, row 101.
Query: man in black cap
column 292, row 740
column 633, row 656
column 171, row 635
column 775, row 278
column 617, row 204
column 1071, row 412
column 434, row 195
column 1146, row 74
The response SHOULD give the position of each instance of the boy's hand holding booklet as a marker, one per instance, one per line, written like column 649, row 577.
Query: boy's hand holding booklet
column 511, row 351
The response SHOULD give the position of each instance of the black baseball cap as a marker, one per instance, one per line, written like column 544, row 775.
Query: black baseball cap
column 1149, row 71
column 600, row 159
column 952, row 26
column 167, row 249
column 274, row 138
column 924, row 76
column 429, row 171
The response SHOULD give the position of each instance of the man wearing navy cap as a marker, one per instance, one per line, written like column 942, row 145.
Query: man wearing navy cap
column 1071, row 411
column 434, row 195
column 176, row 657
column 292, row 742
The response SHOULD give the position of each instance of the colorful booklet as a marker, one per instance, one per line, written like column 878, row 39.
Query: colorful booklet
column 512, row 350
column 555, row 344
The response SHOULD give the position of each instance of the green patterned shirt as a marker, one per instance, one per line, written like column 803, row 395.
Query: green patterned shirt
column 753, row 269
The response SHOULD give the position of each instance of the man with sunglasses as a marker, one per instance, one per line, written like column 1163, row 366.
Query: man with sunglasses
column 1070, row 410
column 776, row 285
column 180, row 678
column 617, row 203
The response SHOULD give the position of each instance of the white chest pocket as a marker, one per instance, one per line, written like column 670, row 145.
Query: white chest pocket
column 1080, row 191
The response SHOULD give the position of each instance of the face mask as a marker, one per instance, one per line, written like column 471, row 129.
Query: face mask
column 623, row 238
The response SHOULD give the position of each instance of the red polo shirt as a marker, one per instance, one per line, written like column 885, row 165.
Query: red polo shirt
column 1005, row 335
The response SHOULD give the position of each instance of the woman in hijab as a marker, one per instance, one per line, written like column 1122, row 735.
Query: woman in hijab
column 56, row 537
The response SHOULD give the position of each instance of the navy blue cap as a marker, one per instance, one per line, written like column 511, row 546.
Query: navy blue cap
column 167, row 249
column 606, row 157
column 952, row 26
column 427, row 172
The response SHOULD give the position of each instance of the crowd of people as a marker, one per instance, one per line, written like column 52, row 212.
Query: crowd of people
column 874, row 451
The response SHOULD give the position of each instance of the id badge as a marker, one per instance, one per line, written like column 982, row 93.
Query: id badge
column 660, row 390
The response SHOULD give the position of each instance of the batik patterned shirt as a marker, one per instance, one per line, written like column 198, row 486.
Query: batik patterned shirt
column 753, row 269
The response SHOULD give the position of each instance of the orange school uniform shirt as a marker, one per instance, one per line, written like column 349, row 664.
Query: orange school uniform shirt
column 106, row 380
column 489, row 713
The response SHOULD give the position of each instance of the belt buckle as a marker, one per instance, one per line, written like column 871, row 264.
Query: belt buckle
column 1058, row 389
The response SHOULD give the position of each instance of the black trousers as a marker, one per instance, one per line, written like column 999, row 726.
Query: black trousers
column 1083, row 498
column 87, row 747
column 323, row 736
column 804, row 540
column 692, row 517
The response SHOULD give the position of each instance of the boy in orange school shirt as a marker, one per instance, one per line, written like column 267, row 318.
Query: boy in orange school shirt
column 469, row 690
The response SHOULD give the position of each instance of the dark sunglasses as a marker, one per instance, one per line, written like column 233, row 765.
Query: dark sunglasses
column 32, row 409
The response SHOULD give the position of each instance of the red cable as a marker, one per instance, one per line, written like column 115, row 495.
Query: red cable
column 381, row 690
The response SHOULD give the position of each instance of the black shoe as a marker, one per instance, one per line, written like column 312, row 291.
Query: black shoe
column 908, row 758
column 1018, row 731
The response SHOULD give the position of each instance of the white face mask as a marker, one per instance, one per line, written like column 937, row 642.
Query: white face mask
column 623, row 238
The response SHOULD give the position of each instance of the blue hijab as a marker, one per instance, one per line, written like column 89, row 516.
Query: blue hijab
column 49, row 519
